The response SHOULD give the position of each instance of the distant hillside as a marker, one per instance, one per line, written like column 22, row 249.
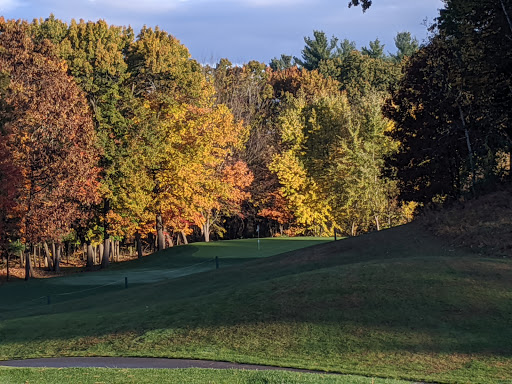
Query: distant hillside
column 483, row 224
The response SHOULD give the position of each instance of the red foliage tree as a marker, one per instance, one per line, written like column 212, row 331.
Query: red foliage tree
column 48, row 132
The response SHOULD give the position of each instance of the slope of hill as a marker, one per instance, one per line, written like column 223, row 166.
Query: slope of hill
column 483, row 224
column 398, row 303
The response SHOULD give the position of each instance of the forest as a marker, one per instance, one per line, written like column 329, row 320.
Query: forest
column 110, row 138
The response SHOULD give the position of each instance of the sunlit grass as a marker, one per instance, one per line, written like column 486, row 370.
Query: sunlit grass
column 394, row 304
column 181, row 376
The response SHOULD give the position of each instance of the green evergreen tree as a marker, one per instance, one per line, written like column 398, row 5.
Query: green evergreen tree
column 376, row 50
column 281, row 63
column 406, row 46
column 345, row 48
column 317, row 49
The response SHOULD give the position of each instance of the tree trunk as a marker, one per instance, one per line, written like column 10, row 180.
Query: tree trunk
column 185, row 241
column 105, row 260
column 28, row 265
column 506, row 15
column 90, row 262
column 139, row 245
column 206, row 229
column 116, row 250
column 48, row 257
column 8, row 271
column 470, row 149
column 34, row 256
column 151, row 242
column 68, row 250
column 377, row 222
column 58, row 253
column 54, row 256
column 101, row 249
column 168, row 241
column 106, row 247
column 160, row 232
column 353, row 230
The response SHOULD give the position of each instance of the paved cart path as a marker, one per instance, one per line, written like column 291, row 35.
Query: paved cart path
column 137, row 362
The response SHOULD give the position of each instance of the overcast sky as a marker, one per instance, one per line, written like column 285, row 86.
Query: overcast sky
column 243, row 30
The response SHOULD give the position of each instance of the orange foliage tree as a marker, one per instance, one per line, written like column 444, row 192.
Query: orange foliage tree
column 47, row 130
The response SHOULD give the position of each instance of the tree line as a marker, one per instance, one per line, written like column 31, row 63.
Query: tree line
column 108, row 136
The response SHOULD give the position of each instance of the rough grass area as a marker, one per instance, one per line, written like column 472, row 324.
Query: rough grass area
column 483, row 224
column 396, row 304
column 179, row 376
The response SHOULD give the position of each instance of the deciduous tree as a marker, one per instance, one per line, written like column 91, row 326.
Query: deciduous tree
column 49, row 133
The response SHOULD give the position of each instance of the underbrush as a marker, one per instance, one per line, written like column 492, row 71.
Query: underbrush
column 482, row 224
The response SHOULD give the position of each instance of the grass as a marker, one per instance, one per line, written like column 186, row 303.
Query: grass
column 182, row 376
column 397, row 304
column 169, row 264
column 482, row 224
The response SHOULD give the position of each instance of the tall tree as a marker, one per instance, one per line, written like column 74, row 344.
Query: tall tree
column 247, row 91
column 10, row 186
column 453, row 106
column 375, row 51
column 181, row 136
column 95, row 54
column 49, row 133
column 281, row 63
column 362, row 196
column 222, row 194
column 482, row 33
column 330, row 164
column 317, row 49
column 406, row 46
column 345, row 48
column 360, row 75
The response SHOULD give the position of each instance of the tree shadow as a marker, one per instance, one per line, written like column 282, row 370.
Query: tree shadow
column 377, row 292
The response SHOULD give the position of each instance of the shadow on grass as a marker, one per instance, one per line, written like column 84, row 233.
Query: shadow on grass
column 392, row 292
column 162, row 266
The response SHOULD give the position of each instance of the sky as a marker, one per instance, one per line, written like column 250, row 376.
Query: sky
column 244, row 30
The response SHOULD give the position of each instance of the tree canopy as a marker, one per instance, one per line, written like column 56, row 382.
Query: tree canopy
column 111, row 136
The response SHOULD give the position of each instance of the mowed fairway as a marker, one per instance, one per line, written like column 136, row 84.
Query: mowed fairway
column 396, row 304
column 169, row 264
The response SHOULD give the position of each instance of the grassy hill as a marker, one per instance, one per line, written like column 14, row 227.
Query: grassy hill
column 398, row 303
column 483, row 225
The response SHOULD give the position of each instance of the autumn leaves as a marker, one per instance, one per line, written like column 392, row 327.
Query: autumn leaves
column 105, row 134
